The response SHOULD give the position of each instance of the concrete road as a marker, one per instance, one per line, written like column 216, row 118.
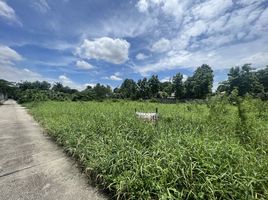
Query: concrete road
column 32, row 166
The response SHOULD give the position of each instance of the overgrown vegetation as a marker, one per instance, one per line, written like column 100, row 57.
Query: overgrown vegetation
column 215, row 150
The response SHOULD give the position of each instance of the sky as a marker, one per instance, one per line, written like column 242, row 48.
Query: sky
column 80, row 43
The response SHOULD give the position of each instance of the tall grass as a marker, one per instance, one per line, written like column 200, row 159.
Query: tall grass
column 194, row 152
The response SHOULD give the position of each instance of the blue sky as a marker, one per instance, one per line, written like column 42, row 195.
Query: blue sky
column 84, row 42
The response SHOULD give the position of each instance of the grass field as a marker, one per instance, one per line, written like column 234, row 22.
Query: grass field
column 196, row 151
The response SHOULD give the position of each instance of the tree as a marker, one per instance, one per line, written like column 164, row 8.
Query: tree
column 245, row 80
column 154, row 85
column 102, row 91
column 189, row 88
column 263, row 78
column 87, row 94
column 129, row 89
column 38, row 85
column 143, row 90
column 58, row 87
column 200, row 84
column 223, row 87
column 7, row 88
column 177, row 84
column 166, row 87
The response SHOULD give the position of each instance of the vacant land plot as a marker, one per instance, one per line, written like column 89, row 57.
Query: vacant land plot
column 195, row 151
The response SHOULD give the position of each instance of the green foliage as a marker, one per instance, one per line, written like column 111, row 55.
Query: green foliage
column 245, row 80
column 166, row 87
column 196, row 151
column 101, row 91
column 144, row 91
column 58, row 87
column 32, row 95
column 178, row 85
column 26, row 85
column 154, row 85
column 233, row 97
column 200, row 84
column 7, row 88
column 128, row 89
column 263, row 77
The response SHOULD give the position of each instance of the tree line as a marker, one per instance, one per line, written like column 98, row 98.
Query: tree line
column 244, row 80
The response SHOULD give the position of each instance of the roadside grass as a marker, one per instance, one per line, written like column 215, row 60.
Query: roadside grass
column 195, row 151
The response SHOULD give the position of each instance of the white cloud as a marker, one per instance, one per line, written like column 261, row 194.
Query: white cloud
column 166, row 79
column 142, row 5
column 249, row 2
column 89, row 84
column 8, row 13
column 169, row 79
column 81, row 64
column 66, row 81
column 9, row 72
column 221, row 33
column 8, row 55
column 41, row 6
column 15, row 74
column 260, row 57
column 105, row 48
column 114, row 77
column 221, row 58
column 211, row 9
column 161, row 45
column 184, row 77
column 141, row 56
column 170, row 7
column 195, row 29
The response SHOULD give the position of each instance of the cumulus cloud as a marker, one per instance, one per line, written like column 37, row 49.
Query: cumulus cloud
column 141, row 56
column 8, row 13
column 81, row 64
column 161, row 45
column 66, row 81
column 114, row 77
column 105, row 48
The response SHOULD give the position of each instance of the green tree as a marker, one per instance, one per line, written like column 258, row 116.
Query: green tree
column 245, row 80
column 223, row 87
column 263, row 77
column 143, row 91
column 58, row 87
column 129, row 89
column 7, row 88
column 154, row 85
column 178, row 86
column 166, row 87
column 200, row 84
column 189, row 88
column 38, row 85
column 102, row 91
